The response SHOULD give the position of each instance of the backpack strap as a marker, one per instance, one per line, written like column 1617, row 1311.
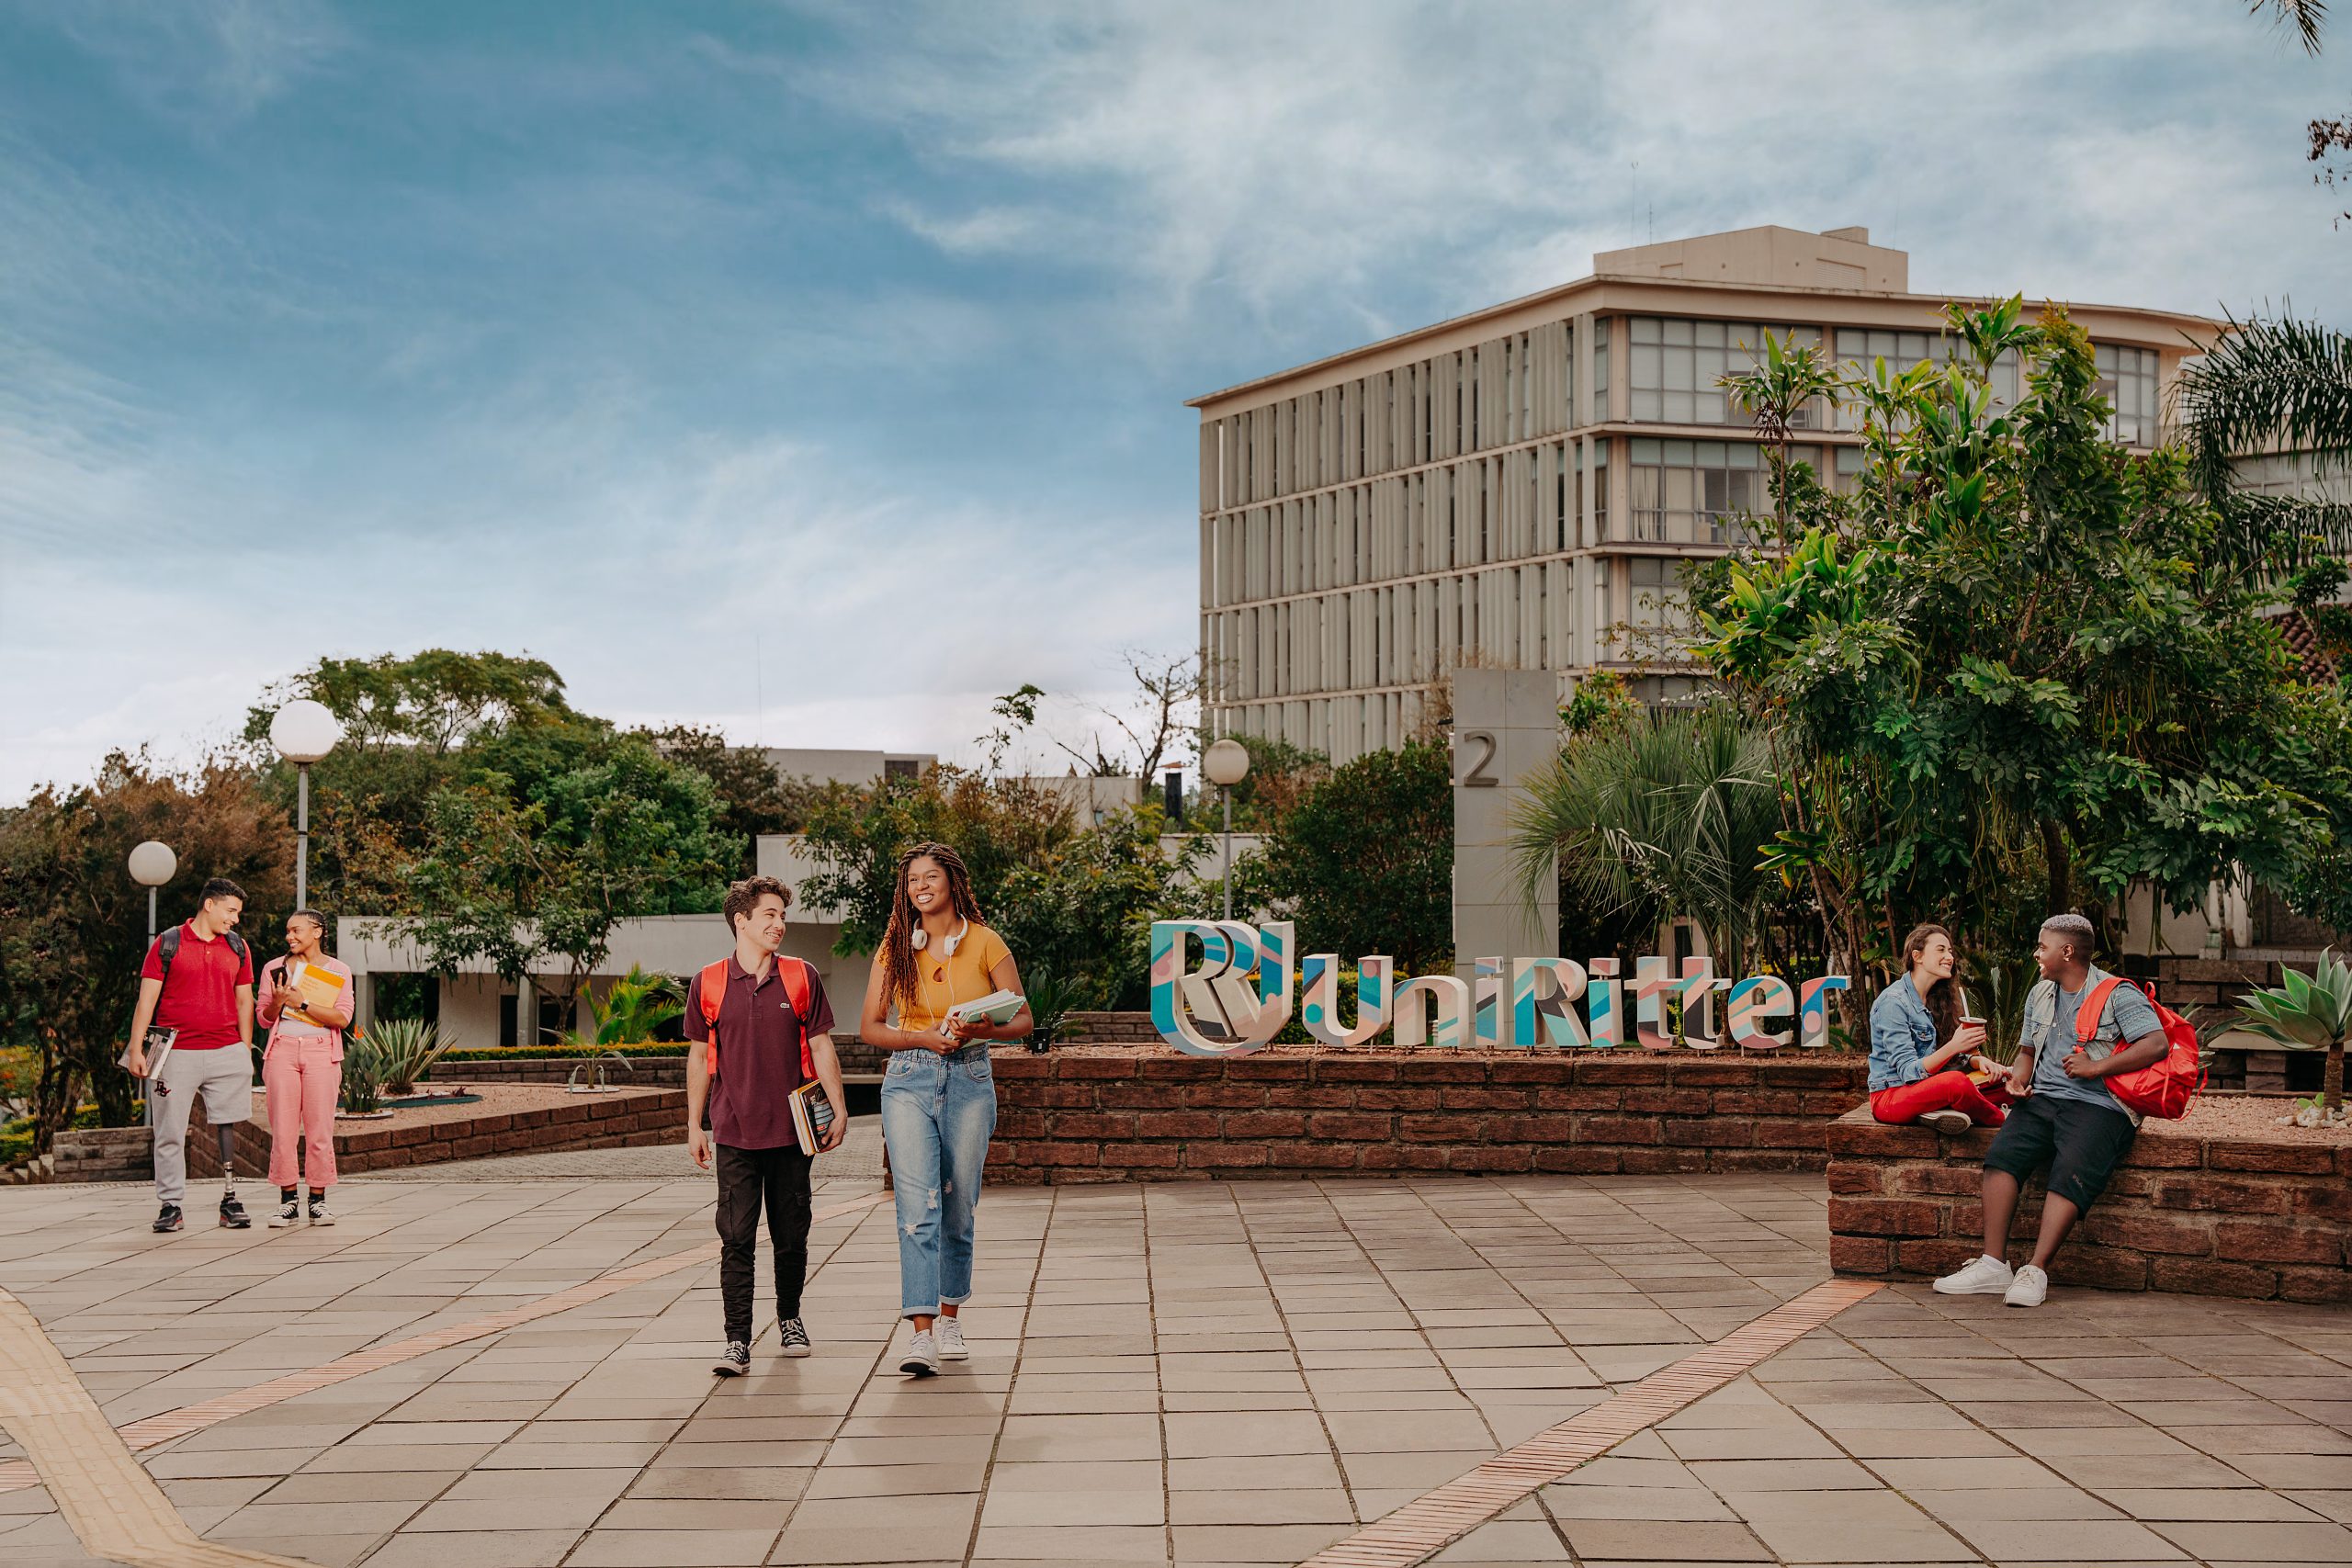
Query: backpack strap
column 798, row 979
column 2094, row 1007
column 711, row 988
column 168, row 947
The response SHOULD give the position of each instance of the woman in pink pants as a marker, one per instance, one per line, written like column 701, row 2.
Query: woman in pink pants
column 302, row 1070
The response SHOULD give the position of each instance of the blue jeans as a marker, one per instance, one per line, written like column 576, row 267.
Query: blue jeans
column 937, row 1114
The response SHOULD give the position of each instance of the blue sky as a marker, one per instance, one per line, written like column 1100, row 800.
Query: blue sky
column 817, row 370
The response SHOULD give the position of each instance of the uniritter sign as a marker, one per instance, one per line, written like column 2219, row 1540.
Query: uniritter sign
column 1240, row 993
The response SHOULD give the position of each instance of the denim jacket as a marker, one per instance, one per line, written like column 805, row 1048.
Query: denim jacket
column 1901, row 1034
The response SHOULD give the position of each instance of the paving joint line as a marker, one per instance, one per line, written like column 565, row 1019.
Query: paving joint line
column 153, row 1431
column 1429, row 1524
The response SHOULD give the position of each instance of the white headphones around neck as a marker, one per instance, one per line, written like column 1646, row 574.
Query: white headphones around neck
column 921, row 939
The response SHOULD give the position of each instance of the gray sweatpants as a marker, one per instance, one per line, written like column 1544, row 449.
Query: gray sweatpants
column 224, row 1078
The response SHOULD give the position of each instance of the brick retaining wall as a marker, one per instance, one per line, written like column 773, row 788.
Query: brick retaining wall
column 2210, row 1216
column 1105, row 1113
column 668, row 1072
column 634, row 1118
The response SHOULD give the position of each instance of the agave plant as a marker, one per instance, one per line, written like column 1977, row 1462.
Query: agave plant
column 363, row 1074
column 638, row 1005
column 404, row 1050
column 2308, row 1015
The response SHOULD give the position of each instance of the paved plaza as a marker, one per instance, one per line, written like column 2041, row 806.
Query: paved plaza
column 512, row 1373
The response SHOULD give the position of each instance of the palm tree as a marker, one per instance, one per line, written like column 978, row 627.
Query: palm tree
column 2268, row 384
column 1659, row 820
column 2313, row 1014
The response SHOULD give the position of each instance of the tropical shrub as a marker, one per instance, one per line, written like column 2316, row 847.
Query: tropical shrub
column 636, row 1007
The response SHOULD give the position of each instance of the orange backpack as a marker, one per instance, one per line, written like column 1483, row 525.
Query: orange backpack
column 2163, row 1088
column 798, row 975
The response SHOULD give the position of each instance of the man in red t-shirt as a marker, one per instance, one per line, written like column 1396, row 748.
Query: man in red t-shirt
column 198, row 981
column 761, row 1029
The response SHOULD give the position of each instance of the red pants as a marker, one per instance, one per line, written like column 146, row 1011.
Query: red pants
column 1948, row 1090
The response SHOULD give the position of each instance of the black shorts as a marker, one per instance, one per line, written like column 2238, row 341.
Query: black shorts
column 2081, row 1143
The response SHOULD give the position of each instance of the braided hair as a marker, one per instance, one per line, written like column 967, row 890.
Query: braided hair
column 897, row 949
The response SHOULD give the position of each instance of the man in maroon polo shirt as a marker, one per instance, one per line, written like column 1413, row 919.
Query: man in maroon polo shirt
column 199, row 980
column 759, row 1032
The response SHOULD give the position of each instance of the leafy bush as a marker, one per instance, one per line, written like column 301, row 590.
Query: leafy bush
column 1366, row 864
column 634, row 1008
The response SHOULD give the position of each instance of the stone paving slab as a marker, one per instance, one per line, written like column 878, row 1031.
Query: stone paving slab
column 1240, row 1372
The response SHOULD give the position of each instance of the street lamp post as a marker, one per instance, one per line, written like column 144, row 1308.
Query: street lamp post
column 303, row 732
column 1224, row 764
column 151, row 865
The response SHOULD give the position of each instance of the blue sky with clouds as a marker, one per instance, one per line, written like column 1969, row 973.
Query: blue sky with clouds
column 817, row 370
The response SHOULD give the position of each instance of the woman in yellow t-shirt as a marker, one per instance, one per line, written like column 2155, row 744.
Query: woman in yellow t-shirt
column 938, row 1096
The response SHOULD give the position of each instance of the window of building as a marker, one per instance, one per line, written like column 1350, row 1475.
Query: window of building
column 1600, row 370
column 1675, row 365
column 1653, row 590
column 2127, row 379
column 1690, row 492
column 1858, row 347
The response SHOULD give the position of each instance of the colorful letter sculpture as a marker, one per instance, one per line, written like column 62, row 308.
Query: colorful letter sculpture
column 1449, row 1028
column 1218, row 993
column 1318, row 999
column 1239, row 996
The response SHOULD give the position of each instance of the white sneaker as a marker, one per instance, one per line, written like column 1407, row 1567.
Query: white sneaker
column 949, row 1334
column 288, row 1212
column 2030, row 1288
column 320, row 1213
column 1946, row 1120
column 922, row 1359
column 1985, row 1277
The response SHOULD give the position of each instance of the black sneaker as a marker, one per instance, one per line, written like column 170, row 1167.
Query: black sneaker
column 169, row 1219
column 733, row 1361
column 792, row 1338
column 232, row 1215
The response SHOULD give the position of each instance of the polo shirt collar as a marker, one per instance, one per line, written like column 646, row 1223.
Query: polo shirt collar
column 735, row 971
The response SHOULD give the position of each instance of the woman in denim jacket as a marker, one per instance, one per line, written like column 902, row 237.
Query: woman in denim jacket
column 1911, row 1078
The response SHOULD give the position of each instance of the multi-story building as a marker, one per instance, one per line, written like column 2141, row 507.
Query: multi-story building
column 1517, row 487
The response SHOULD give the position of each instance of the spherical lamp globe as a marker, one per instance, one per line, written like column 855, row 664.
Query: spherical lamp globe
column 304, row 731
column 1227, row 763
column 152, row 864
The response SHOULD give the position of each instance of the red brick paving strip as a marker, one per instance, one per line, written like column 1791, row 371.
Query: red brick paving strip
column 1429, row 1524
column 156, row 1431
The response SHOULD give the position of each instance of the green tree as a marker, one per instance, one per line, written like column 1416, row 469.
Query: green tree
column 1366, row 862
column 554, row 835
column 1070, row 902
column 754, row 798
column 2016, row 647
column 74, row 925
column 409, row 725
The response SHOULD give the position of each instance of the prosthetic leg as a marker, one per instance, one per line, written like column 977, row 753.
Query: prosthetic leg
column 233, row 1213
